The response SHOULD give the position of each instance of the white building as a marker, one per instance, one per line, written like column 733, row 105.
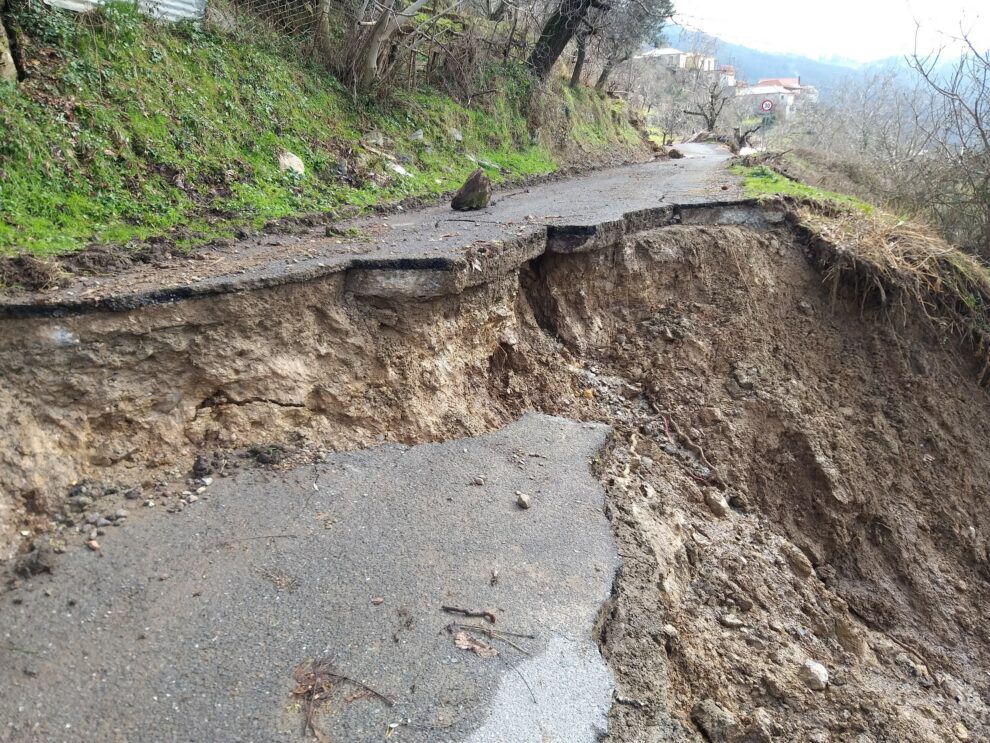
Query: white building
column 675, row 59
column 781, row 99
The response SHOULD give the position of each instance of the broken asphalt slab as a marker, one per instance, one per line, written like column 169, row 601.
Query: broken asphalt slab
column 191, row 627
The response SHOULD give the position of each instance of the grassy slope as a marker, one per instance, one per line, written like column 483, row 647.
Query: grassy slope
column 760, row 181
column 899, row 258
column 128, row 130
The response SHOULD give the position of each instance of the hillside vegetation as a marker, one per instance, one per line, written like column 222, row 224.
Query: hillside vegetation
column 125, row 129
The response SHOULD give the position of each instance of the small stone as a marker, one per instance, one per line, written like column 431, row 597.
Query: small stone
column 93, row 545
column 150, row 504
column 522, row 500
column 717, row 723
column 192, row 499
column 758, row 643
column 745, row 378
column 377, row 601
column 291, row 163
column 133, row 494
column 716, row 503
column 417, row 136
column 798, row 561
column 200, row 490
column 202, row 465
column 744, row 603
column 121, row 513
column 960, row 731
column 456, row 134
column 731, row 621
column 207, row 481
column 478, row 481
column 738, row 501
column 814, row 675
column 101, row 522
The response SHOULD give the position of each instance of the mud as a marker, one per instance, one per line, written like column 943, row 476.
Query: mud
column 794, row 477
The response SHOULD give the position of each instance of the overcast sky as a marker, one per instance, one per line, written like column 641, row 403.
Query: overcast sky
column 861, row 30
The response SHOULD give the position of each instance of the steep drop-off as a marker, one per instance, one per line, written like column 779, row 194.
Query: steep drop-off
column 794, row 475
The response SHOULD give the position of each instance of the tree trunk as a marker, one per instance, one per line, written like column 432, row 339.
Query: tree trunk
column 365, row 66
column 603, row 77
column 322, row 40
column 557, row 32
column 582, row 44
column 498, row 13
column 8, row 71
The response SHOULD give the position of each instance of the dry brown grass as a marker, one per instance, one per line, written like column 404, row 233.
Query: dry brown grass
column 904, row 268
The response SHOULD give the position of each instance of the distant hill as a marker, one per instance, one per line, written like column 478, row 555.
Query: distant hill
column 752, row 64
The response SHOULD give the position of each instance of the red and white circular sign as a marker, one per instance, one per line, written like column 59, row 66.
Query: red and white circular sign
column 767, row 106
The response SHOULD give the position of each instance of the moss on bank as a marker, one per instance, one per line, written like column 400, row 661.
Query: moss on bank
column 127, row 129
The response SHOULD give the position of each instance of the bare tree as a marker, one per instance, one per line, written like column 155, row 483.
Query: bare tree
column 960, row 131
column 710, row 100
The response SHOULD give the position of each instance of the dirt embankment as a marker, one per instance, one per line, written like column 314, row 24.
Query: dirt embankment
column 793, row 478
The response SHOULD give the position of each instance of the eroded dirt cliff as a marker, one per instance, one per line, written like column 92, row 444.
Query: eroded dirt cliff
column 795, row 476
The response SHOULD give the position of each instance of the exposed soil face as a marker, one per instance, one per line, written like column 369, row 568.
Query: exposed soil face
column 792, row 478
column 799, row 480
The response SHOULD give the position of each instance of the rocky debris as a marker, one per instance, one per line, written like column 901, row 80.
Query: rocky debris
column 745, row 376
column 474, row 194
column 918, row 670
column 202, row 466
column 716, row 723
column 814, row 675
column 716, row 503
column 289, row 162
column 523, row 500
column 674, row 154
column 798, row 561
column 731, row 621
column 39, row 559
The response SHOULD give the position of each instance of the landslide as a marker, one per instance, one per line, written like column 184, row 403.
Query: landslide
column 799, row 467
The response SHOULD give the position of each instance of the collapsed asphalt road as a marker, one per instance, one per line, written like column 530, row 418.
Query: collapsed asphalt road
column 205, row 626
column 434, row 237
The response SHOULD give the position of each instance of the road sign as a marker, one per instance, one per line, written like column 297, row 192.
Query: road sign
column 767, row 106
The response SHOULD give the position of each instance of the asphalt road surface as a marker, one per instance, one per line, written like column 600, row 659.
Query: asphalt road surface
column 435, row 236
column 191, row 627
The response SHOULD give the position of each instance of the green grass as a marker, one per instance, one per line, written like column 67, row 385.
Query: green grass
column 761, row 181
column 140, row 129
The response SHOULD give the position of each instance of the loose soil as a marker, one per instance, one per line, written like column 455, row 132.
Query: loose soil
column 794, row 475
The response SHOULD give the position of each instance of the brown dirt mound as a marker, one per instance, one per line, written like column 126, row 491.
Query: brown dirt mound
column 27, row 273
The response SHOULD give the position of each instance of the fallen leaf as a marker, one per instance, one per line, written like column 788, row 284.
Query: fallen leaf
column 464, row 641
